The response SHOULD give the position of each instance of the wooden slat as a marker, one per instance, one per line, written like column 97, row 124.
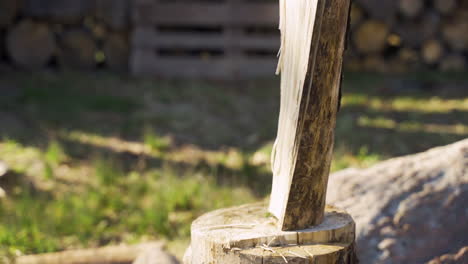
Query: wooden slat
column 146, row 62
column 256, row 67
column 207, row 14
column 146, row 37
column 150, row 38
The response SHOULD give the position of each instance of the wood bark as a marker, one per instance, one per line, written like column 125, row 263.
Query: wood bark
column 317, row 117
column 77, row 50
column 247, row 234
column 30, row 45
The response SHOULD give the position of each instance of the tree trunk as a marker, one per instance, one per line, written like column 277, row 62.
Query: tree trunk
column 30, row 45
column 247, row 234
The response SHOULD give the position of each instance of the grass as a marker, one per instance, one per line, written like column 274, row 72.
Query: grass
column 98, row 159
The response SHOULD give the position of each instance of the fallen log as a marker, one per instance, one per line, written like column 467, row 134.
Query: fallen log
column 106, row 255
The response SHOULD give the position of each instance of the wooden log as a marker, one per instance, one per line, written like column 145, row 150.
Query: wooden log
column 357, row 15
column 432, row 51
column 301, row 165
column 384, row 10
column 411, row 8
column 415, row 33
column 455, row 34
column 104, row 255
column 445, row 6
column 114, row 13
column 247, row 234
column 8, row 12
column 30, row 45
column 371, row 37
column 77, row 50
column 117, row 51
column 453, row 62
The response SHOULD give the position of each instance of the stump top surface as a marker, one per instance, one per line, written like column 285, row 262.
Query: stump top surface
column 251, row 225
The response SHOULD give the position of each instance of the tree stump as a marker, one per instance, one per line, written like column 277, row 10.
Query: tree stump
column 248, row 234
column 77, row 50
column 30, row 45
column 117, row 50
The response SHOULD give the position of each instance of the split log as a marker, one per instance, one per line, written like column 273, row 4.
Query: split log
column 114, row 13
column 247, row 234
column 301, row 166
column 8, row 12
column 411, row 8
column 77, row 50
column 453, row 62
column 432, row 51
column 371, row 37
column 455, row 34
column 117, row 51
column 30, row 44
column 445, row 6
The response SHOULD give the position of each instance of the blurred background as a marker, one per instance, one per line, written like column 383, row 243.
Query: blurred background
column 121, row 121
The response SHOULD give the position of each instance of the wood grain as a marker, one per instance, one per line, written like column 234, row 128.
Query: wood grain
column 317, row 118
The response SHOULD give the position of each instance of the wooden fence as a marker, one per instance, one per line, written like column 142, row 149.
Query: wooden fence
column 229, row 39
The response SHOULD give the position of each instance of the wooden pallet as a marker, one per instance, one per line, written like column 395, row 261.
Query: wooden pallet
column 230, row 39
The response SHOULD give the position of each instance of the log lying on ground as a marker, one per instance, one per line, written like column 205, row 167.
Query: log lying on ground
column 77, row 50
column 8, row 12
column 432, row 51
column 411, row 8
column 117, row 50
column 371, row 37
column 105, row 255
column 30, row 44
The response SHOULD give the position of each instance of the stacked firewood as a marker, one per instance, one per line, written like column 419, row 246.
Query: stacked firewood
column 70, row 34
column 401, row 35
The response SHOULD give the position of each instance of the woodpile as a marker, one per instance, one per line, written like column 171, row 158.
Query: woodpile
column 170, row 38
column 68, row 34
column 396, row 35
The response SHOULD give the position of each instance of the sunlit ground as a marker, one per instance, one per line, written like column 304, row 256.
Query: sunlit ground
column 98, row 159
